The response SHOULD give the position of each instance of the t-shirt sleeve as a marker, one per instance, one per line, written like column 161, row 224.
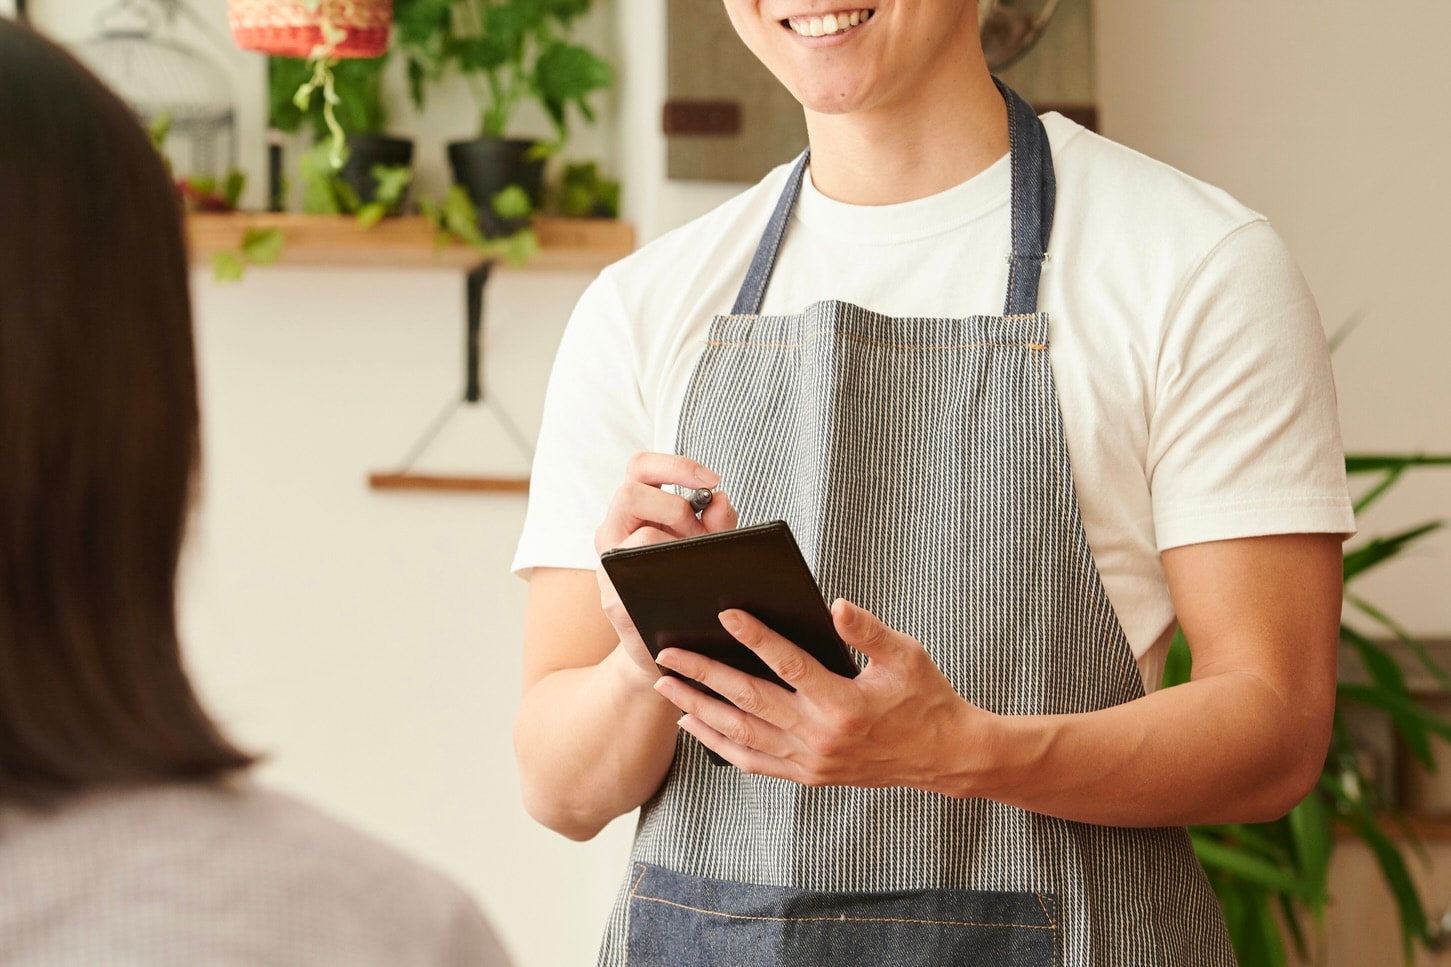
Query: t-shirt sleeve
column 594, row 420
column 1244, row 437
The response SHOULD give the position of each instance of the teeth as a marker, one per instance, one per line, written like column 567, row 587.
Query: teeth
column 832, row 23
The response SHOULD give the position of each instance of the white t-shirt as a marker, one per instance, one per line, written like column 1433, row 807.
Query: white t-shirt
column 1192, row 370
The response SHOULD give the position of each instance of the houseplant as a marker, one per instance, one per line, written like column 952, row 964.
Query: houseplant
column 510, row 52
column 322, row 31
column 1272, row 878
column 358, row 111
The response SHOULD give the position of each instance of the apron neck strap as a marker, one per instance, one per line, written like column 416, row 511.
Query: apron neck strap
column 1033, row 191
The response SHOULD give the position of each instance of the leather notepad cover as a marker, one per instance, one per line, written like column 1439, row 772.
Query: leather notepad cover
column 675, row 590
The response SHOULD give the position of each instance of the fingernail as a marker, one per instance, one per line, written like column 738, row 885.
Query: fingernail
column 706, row 477
column 731, row 621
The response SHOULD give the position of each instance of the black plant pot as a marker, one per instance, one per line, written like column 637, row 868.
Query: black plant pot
column 367, row 150
column 486, row 166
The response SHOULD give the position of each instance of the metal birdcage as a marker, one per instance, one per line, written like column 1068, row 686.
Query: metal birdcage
column 163, row 78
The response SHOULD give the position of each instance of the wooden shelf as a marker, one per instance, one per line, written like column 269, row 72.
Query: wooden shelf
column 406, row 241
column 457, row 483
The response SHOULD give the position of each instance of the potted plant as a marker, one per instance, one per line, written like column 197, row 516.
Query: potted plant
column 1272, row 878
column 582, row 192
column 510, row 51
column 358, row 110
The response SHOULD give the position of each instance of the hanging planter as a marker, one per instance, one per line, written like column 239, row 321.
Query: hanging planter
column 299, row 28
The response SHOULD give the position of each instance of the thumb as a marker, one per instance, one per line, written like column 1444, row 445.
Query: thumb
column 861, row 629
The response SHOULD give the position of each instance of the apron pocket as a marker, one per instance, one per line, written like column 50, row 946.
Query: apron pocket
column 678, row 920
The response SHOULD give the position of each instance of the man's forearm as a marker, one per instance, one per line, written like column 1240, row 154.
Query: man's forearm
column 1226, row 748
column 592, row 744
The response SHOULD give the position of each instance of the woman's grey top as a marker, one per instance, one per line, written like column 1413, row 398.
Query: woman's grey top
column 221, row 875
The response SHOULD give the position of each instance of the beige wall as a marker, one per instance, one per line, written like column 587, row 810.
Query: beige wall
column 1329, row 117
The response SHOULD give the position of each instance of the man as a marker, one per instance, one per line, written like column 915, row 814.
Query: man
column 1015, row 506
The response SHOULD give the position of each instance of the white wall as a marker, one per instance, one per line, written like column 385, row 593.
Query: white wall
column 370, row 641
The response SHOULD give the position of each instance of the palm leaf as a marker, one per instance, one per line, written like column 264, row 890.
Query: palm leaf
column 1404, row 637
column 1398, row 878
column 1379, row 489
column 1254, row 869
column 1386, row 675
column 1373, row 697
column 1383, row 549
column 1379, row 462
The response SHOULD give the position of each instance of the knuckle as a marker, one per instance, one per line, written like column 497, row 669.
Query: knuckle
column 749, row 700
column 793, row 667
column 741, row 733
column 829, row 745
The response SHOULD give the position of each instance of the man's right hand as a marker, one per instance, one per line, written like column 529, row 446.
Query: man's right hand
column 642, row 513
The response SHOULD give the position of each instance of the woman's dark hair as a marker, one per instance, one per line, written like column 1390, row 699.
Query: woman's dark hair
column 99, row 442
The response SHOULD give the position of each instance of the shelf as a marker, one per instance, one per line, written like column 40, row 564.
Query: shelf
column 448, row 483
column 406, row 242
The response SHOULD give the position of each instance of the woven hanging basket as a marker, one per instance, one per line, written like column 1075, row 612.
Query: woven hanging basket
column 288, row 28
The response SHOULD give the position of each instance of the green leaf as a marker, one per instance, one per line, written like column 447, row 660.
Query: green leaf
column 392, row 181
column 233, row 187
column 1383, row 549
column 1312, row 841
column 1254, row 869
column 564, row 11
column 420, row 23
column 1374, row 697
column 1269, row 945
column 460, row 217
column 262, row 246
column 1393, row 870
column 159, row 129
column 1346, row 328
column 371, row 214
column 227, row 266
column 1386, row 675
column 512, row 202
column 348, row 200
column 1403, row 636
column 565, row 74
column 1178, row 664
column 417, row 80
column 1374, row 463
column 520, row 247
column 1376, row 492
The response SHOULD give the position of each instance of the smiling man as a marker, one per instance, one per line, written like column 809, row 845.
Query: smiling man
column 1030, row 402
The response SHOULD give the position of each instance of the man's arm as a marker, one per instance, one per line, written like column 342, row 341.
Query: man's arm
column 592, row 739
column 1243, row 741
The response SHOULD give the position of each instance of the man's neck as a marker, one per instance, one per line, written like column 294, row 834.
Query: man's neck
column 886, row 157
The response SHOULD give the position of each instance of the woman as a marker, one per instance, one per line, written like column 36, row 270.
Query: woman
column 1017, row 474
column 129, row 833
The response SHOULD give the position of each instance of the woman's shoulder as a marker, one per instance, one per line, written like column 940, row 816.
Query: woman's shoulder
column 261, row 864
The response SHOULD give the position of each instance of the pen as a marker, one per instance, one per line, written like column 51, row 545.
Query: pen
column 699, row 500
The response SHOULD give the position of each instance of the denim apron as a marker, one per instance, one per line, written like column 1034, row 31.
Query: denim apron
column 921, row 464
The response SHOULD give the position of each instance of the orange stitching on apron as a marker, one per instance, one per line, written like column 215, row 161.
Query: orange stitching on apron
column 636, row 885
column 878, row 342
column 1046, row 915
column 840, row 919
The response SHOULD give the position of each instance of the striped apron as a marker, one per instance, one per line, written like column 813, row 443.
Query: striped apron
column 921, row 464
